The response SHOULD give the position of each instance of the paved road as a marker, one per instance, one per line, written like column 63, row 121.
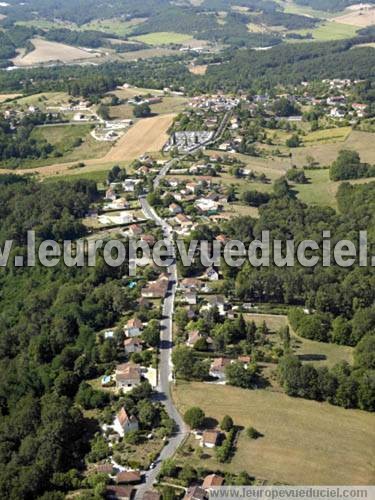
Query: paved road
column 166, row 335
column 165, row 363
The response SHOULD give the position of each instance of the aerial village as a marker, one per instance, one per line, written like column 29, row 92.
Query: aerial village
column 206, row 157
column 213, row 165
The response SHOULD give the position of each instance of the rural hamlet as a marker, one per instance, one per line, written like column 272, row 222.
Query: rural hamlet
column 187, row 236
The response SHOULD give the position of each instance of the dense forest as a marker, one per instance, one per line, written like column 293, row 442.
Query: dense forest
column 182, row 20
column 87, row 38
column 291, row 64
column 84, row 11
column 48, row 322
column 20, row 143
column 289, row 21
column 234, row 32
column 253, row 5
column 340, row 298
column 203, row 21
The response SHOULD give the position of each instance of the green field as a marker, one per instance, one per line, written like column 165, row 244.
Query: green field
column 42, row 99
column 234, row 209
column 115, row 26
column 330, row 31
column 325, row 152
column 163, row 38
column 98, row 176
column 273, row 321
column 148, row 53
column 329, row 354
column 45, row 24
column 173, row 104
column 95, row 170
column 328, row 135
column 304, row 442
column 316, row 353
column 63, row 137
column 169, row 105
column 320, row 190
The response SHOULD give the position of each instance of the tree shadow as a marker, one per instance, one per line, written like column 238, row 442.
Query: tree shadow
column 312, row 357
column 210, row 423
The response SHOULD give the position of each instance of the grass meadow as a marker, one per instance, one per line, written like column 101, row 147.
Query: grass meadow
column 304, row 442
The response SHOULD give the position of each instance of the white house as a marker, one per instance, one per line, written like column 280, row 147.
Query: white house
column 124, row 423
column 129, row 185
column 128, row 376
column 206, row 205
column 109, row 334
column 218, row 301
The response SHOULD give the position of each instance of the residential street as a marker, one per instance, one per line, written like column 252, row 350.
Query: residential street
column 165, row 363
column 166, row 332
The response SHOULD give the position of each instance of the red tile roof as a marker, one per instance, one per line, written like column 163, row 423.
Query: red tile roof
column 211, row 437
column 212, row 480
column 123, row 417
column 131, row 476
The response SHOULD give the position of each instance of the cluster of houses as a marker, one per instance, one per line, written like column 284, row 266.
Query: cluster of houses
column 217, row 103
column 128, row 375
column 81, row 106
column 336, row 101
column 14, row 115
column 202, row 492
column 196, row 296
column 206, row 197
column 125, row 482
